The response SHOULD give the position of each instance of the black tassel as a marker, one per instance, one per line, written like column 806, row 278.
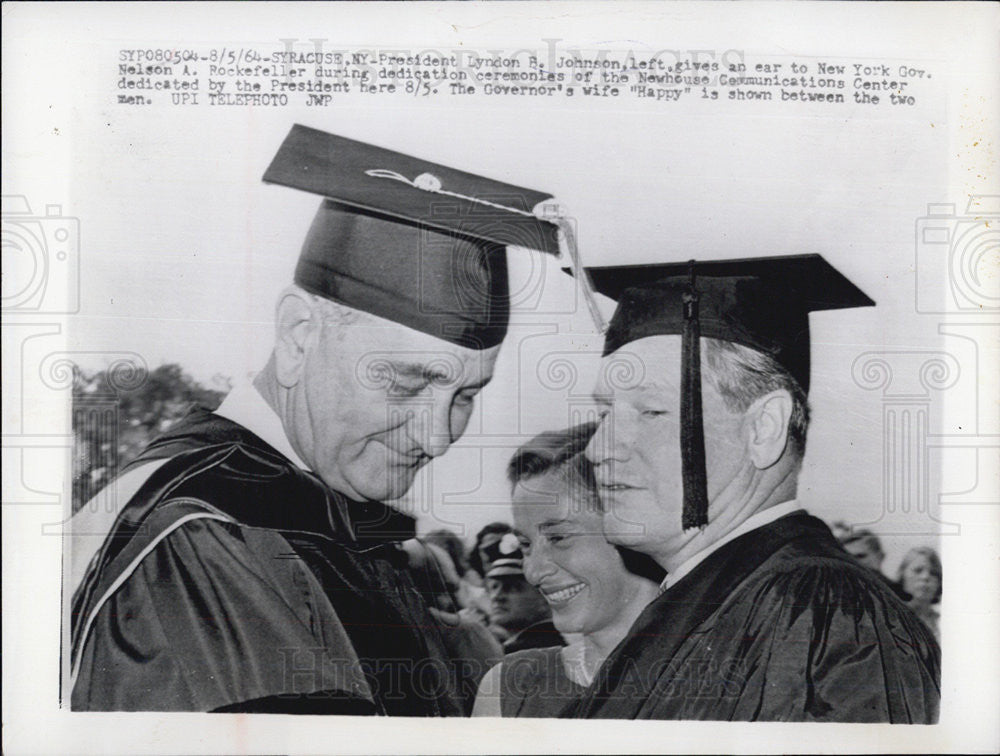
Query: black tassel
column 695, row 514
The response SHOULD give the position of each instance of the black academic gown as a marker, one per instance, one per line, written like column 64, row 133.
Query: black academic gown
column 778, row 625
column 235, row 581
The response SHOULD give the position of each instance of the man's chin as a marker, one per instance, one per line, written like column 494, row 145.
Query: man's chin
column 621, row 532
column 397, row 489
column 633, row 540
column 385, row 489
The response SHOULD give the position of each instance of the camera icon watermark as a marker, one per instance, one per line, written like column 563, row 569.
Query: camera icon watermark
column 958, row 258
column 41, row 255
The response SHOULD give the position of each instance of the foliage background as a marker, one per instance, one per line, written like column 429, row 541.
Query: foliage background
column 113, row 421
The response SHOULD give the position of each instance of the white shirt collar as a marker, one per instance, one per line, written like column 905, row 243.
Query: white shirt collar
column 754, row 521
column 245, row 405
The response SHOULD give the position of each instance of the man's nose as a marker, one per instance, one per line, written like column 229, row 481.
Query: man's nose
column 429, row 425
column 594, row 451
column 538, row 565
column 606, row 443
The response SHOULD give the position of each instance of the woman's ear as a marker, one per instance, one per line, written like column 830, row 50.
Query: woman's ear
column 768, row 428
column 297, row 323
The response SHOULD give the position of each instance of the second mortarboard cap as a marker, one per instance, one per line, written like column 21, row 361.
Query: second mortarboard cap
column 414, row 242
column 762, row 303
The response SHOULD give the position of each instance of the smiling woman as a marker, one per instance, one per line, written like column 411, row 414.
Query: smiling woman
column 593, row 595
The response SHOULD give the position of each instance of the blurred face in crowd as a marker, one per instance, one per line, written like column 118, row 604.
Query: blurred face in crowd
column 578, row 572
column 515, row 603
column 866, row 552
column 636, row 450
column 374, row 401
column 919, row 580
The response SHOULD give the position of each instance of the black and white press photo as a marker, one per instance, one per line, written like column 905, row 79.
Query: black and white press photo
column 374, row 373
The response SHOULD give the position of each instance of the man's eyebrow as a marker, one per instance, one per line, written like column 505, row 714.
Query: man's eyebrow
column 426, row 375
column 603, row 399
column 654, row 384
column 418, row 371
column 551, row 523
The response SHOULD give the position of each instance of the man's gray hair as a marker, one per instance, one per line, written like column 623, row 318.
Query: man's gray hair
column 742, row 375
column 333, row 313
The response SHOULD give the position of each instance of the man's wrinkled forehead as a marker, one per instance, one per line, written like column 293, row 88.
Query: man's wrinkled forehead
column 648, row 364
column 378, row 330
column 376, row 341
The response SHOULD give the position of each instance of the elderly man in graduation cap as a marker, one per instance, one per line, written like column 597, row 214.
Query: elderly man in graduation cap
column 762, row 615
column 255, row 566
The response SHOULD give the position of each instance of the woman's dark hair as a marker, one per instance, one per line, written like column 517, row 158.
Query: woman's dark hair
column 476, row 561
column 555, row 450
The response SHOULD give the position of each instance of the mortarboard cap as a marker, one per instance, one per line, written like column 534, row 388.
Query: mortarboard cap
column 411, row 241
column 762, row 303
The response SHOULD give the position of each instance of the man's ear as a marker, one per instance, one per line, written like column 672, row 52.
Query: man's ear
column 768, row 419
column 297, row 323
